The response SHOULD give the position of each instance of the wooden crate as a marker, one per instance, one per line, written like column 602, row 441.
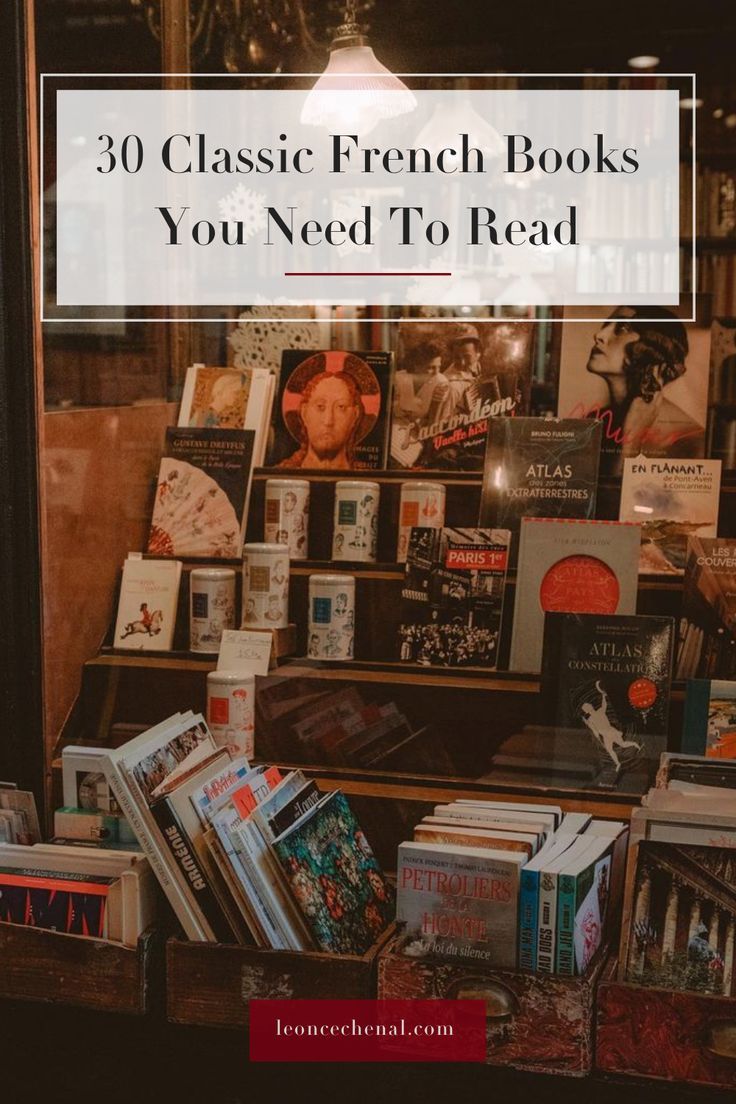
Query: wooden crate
column 535, row 1022
column 76, row 970
column 658, row 1033
column 211, row 984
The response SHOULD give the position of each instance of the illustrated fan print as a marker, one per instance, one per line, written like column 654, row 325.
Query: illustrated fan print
column 192, row 515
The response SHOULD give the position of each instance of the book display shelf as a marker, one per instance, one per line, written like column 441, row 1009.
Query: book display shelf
column 392, row 727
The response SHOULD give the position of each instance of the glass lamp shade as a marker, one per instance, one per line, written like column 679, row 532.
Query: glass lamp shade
column 356, row 91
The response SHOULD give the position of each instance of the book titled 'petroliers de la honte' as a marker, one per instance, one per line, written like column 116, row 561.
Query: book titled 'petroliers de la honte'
column 460, row 902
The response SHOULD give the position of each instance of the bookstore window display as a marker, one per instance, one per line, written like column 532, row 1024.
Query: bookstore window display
column 395, row 616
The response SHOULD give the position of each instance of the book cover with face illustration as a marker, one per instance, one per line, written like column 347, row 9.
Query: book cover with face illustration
column 331, row 410
column 644, row 374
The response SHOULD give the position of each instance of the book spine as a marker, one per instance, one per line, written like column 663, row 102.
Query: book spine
column 185, row 857
column 565, row 954
column 174, row 892
column 695, row 723
column 546, row 923
column 274, row 888
column 239, row 863
column 528, row 908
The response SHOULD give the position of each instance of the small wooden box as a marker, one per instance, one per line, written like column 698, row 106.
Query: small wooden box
column 536, row 1022
column 50, row 966
column 664, row 1034
column 211, row 984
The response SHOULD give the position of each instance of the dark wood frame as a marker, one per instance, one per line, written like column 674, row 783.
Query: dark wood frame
column 21, row 745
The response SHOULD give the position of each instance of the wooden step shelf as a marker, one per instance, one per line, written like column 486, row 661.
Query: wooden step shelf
column 212, row 984
column 56, row 968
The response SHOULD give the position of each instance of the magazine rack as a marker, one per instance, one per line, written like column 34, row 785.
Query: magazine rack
column 535, row 1022
column 669, row 1035
column 96, row 974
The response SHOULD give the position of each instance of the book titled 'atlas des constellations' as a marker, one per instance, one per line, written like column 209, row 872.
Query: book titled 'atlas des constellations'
column 202, row 493
column 541, row 467
column 609, row 676
column 672, row 500
column 570, row 566
column 452, row 598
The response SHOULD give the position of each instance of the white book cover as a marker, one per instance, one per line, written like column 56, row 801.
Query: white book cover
column 672, row 500
column 547, row 909
column 546, row 821
column 459, row 902
column 570, row 566
column 149, row 593
column 229, row 398
column 134, row 771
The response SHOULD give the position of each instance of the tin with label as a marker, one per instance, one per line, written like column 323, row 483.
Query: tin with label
column 231, row 698
column 422, row 504
column 331, row 630
column 355, row 528
column 287, row 515
column 211, row 607
column 265, row 586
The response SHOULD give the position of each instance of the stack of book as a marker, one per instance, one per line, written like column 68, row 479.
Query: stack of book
column 79, row 889
column 248, row 854
column 340, row 727
column 510, row 885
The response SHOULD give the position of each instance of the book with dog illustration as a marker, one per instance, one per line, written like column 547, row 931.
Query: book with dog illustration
column 149, row 594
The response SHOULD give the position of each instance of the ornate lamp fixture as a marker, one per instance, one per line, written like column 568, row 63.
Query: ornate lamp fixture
column 253, row 35
column 355, row 90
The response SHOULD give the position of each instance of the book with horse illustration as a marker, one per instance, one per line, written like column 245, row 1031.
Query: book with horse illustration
column 147, row 605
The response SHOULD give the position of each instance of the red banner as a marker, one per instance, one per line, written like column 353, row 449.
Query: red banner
column 367, row 1031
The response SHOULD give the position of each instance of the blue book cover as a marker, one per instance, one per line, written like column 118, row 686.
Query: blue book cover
column 528, row 908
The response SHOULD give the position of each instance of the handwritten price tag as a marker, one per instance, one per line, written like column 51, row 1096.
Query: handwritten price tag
column 247, row 651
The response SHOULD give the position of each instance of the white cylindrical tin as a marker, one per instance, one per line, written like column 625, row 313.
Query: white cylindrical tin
column 286, row 515
column 211, row 607
column 422, row 504
column 231, row 711
column 355, row 529
column 331, row 628
column 265, row 586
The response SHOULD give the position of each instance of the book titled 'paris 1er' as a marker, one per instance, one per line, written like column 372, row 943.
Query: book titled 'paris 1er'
column 609, row 677
column 543, row 467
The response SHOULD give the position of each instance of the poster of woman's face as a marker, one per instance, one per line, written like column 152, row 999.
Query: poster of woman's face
column 644, row 374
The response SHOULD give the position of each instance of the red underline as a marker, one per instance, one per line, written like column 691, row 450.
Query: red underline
column 367, row 274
